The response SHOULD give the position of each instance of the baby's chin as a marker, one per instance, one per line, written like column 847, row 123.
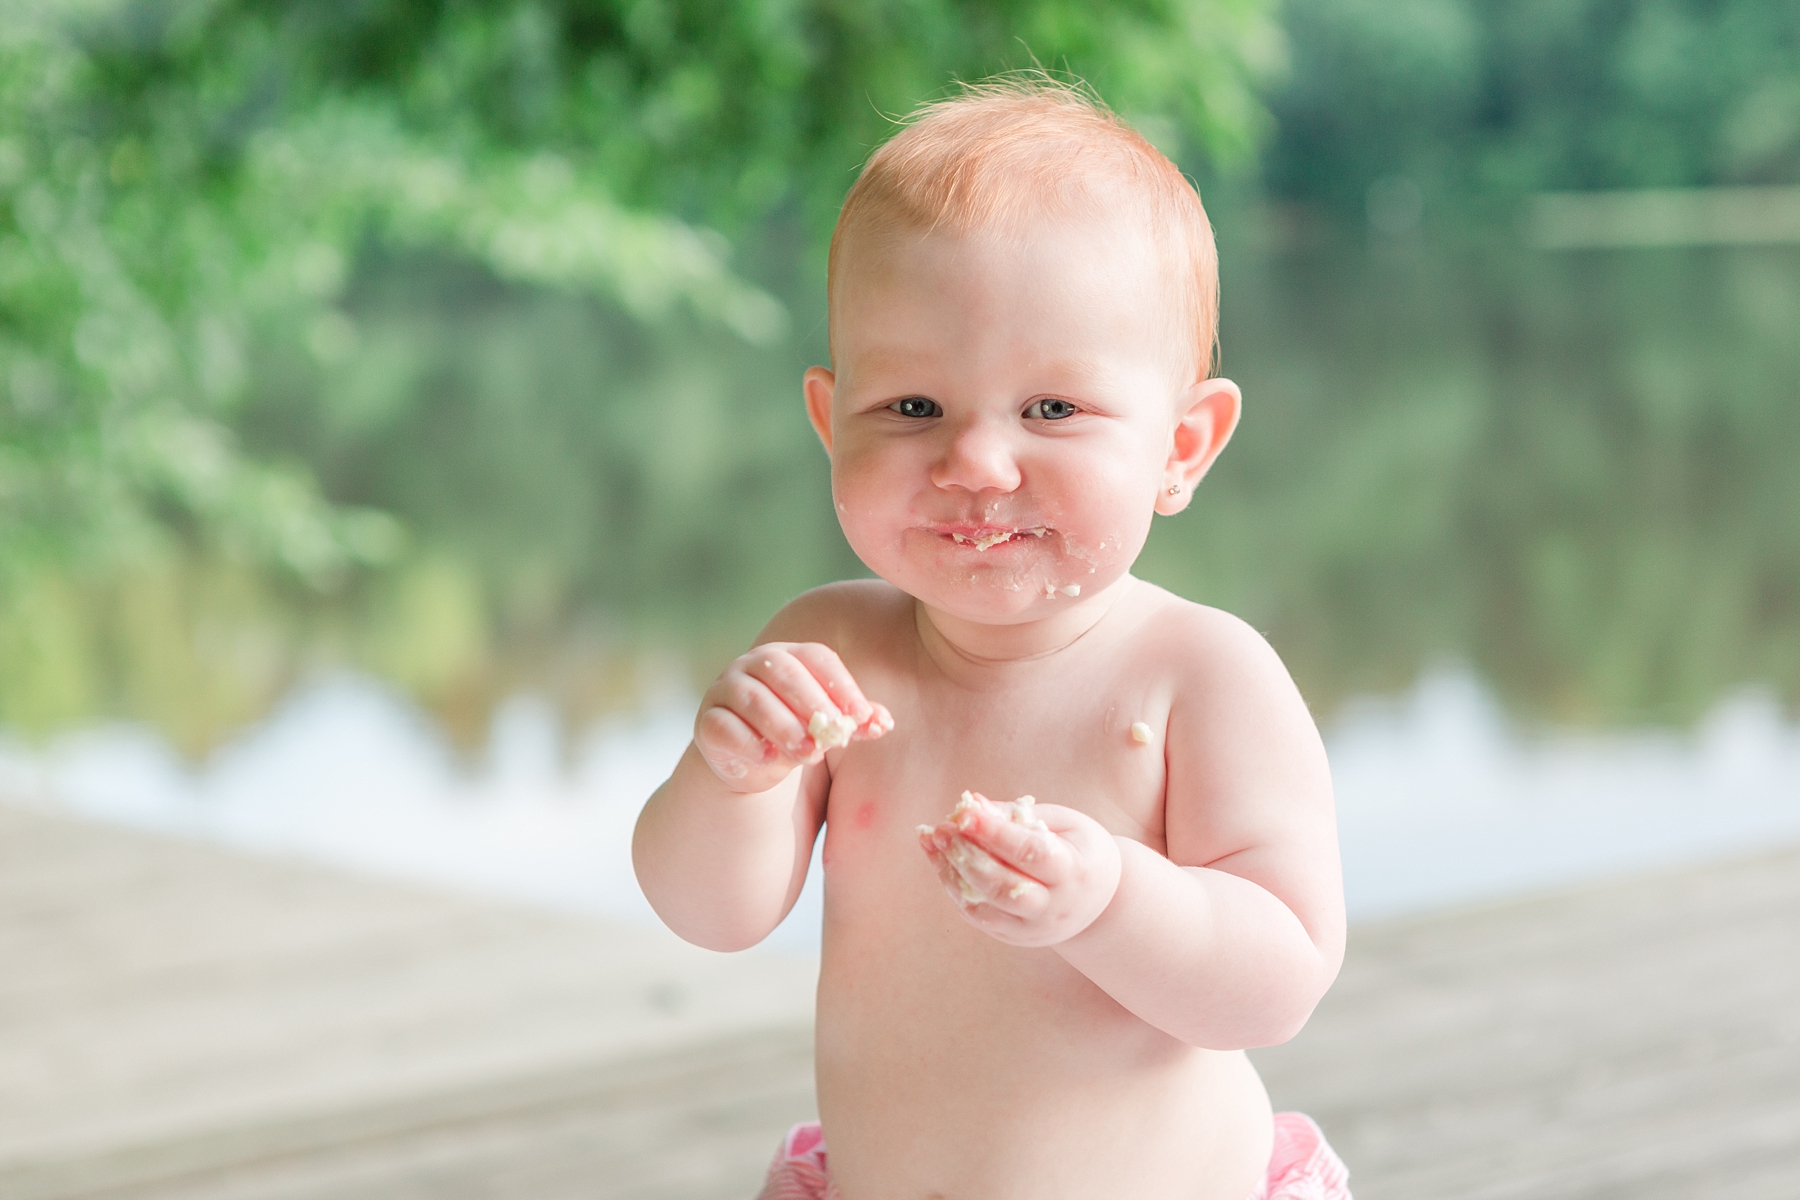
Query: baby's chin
column 1001, row 597
column 1020, row 580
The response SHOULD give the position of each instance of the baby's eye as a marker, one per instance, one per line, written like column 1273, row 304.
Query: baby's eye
column 1050, row 409
column 917, row 406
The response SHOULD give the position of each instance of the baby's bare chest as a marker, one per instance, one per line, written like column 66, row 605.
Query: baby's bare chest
column 1095, row 744
column 900, row 965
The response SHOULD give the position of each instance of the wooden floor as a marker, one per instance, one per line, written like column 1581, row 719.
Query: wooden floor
column 178, row 1022
column 1637, row 1040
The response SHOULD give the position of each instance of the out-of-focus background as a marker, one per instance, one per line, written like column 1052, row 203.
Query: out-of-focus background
column 399, row 419
column 400, row 412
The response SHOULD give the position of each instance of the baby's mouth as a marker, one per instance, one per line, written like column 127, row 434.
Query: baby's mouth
column 985, row 539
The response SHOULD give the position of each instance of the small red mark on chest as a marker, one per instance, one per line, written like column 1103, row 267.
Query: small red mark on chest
column 864, row 816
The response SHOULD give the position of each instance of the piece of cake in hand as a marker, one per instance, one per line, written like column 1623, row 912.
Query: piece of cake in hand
column 969, row 862
column 830, row 731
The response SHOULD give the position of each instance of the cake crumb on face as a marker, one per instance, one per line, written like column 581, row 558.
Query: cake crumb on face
column 830, row 732
column 1140, row 733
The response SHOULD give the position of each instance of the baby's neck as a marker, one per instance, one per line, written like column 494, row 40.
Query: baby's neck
column 958, row 644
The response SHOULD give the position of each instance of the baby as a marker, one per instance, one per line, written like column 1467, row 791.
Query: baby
column 1043, row 1001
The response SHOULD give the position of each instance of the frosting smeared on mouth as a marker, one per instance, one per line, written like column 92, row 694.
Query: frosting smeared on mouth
column 993, row 537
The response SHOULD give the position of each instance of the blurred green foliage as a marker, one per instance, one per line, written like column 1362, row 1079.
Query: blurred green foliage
column 1485, row 100
column 206, row 207
column 460, row 342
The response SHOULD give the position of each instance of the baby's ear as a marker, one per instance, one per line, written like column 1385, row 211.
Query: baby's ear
column 819, row 383
column 1204, row 421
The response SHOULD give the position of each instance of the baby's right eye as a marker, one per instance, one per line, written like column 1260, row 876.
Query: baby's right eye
column 917, row 406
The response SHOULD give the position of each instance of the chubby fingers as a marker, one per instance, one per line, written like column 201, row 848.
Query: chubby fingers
column 1025, row 886
column 776, row 693
column 880, row 722
column 729, row 744
column 839, row 689
column 820, row 691
column 1039, row 854
column 976, row 879
column 753, row 693
column 960, row 891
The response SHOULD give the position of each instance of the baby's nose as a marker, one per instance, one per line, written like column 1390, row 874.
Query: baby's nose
column 977, row 457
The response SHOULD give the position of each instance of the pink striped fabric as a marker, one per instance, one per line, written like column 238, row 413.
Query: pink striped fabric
column 798, row 1172
column 1302, row 1167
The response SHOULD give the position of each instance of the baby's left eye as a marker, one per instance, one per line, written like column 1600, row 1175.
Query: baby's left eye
column 1050, row 409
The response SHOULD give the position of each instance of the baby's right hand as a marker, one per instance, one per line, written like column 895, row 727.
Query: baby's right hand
column 752, row 728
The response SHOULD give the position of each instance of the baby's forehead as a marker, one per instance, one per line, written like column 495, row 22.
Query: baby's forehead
column 877, row 250
column 1120, row 259
column 1017, row 157
column 1081, row 303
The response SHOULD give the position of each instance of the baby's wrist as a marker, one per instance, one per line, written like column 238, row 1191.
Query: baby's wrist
column 1111, row 890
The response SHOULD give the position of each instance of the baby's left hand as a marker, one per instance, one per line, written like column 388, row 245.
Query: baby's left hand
column 1023, row 886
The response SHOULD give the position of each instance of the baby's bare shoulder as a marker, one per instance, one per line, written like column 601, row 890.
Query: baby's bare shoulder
column 841, row 615
column 1205, row 650
column 1247, row 770
column 1234, row 711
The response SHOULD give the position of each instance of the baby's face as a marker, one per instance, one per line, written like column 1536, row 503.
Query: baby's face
column 1002, row 414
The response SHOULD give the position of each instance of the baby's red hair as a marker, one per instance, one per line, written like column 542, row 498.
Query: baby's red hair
column 1024, row 148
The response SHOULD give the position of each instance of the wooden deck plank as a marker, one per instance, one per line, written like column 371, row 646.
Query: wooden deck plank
column 179, row 1022
column 696, row 1123
column 160, row 993
column 1638, row 1038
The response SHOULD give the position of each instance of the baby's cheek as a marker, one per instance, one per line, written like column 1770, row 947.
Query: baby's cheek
column 872, row 513
column 1122, row 527
column 1093, row 555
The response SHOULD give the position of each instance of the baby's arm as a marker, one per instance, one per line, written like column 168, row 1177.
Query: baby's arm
column 721, row 849
column 1230, row 954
